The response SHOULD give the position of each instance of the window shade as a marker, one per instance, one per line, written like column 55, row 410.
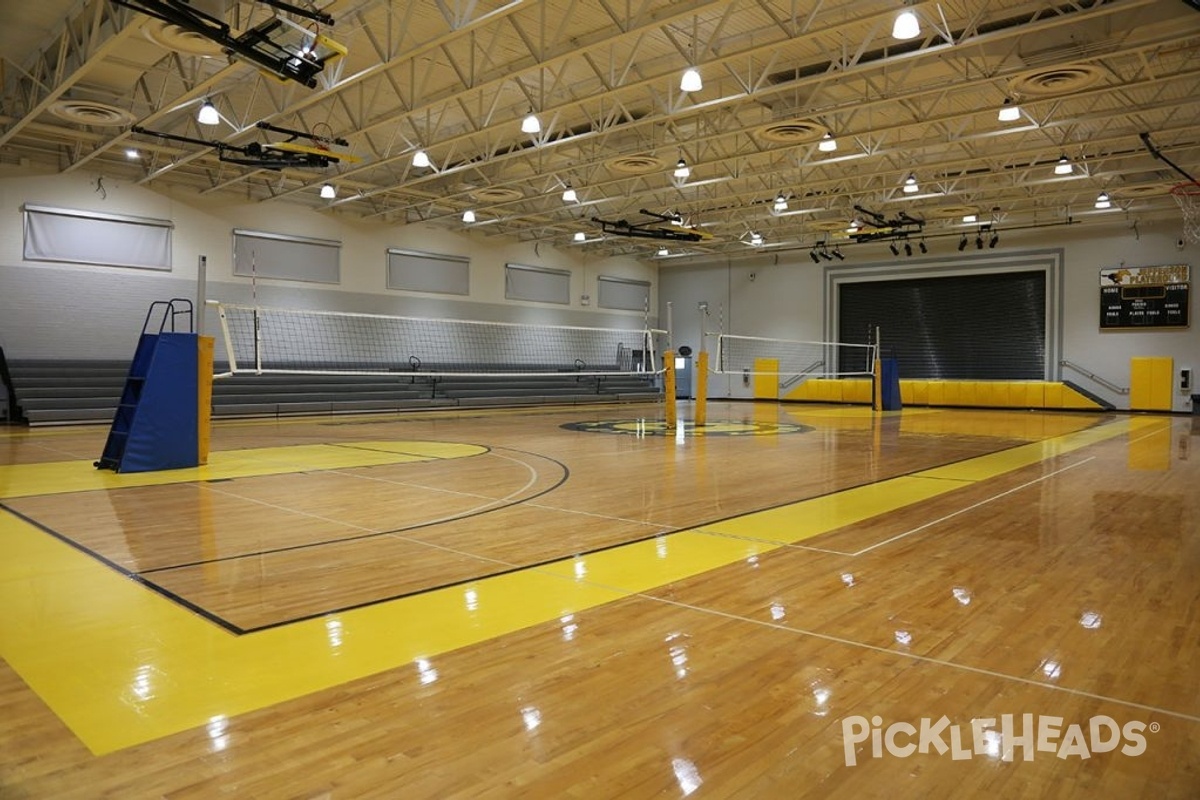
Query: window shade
column 292, row 258
column 87, row 237
column 539, row 284
column 414, row 271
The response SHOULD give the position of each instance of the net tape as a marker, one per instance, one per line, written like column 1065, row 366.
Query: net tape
column 277, row 340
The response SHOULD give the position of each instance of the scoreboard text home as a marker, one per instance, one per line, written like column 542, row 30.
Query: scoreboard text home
column 1144, row 297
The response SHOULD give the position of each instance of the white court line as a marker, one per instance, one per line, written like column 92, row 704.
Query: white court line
column 776, row 542
column 973, row 506
column 450, row 518
column 648, row 523
column 929, row 659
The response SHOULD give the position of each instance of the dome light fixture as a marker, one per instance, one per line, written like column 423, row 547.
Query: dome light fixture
column 691, row 81
column 328, row 191
column 421, row 160
column 208, row 114
column 531, row 124
column 827, row 144
column 1064, row 166
column 1103, row 201
column 1009, row 111
column 910, row 184
column 468, row 216
column 906, row 25
column 569, row 195
column 681, row 169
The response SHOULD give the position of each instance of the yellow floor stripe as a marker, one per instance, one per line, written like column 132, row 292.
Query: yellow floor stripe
column 644, row 565
column 59, row 477
column 154, row 668
column 807, row 518
column 163, row 669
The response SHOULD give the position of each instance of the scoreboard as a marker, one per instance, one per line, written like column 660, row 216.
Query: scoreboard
column 1144, row 297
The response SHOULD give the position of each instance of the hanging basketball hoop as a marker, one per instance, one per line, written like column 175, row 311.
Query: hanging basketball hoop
column 1187, row 195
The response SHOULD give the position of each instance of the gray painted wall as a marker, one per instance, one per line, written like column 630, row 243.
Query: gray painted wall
column 57, row 310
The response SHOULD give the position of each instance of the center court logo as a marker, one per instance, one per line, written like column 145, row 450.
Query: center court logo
column 1045, row 734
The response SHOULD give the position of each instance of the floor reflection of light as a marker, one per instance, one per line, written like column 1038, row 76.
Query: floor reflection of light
column 142, row 687
column 1090, row 620
column 821, row 695
column 426, row 671
column 903, row 637
column 660, row 546
column 580, row 569
column 568, row 627
column 778, row 611
column 848, row 578
column 472, row 599
column 1051, row 669
column 992, row 742
column 753, row 562
column 678, row 653
column 218, row 733
column 962, row 595
column 687, row 775
column 333, row 628
column 532, row 717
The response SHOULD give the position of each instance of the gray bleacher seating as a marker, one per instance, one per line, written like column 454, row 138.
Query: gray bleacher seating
column 75, row 391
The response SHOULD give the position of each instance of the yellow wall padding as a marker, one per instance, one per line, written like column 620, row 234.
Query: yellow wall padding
column 669, row 387
column 1150, row 382
column 766, row 378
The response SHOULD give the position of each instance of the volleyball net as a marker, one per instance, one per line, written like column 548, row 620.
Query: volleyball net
column 792, row 360
column 259, row 340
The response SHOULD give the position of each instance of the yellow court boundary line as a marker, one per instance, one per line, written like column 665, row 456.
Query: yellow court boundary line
column 155, row 668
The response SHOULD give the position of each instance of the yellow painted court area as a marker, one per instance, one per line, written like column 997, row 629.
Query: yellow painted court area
column 154, row 668
column 60, row 477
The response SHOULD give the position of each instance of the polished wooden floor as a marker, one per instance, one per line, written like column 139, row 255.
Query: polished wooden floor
column 496, row 604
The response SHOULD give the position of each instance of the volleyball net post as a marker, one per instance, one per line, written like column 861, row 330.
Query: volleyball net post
column 669, row 388
column 700, row 415
column 886, row 378
column 877, row 376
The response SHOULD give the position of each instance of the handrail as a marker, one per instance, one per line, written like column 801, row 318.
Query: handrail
column 1112, row 387
column 170, row 312
column 787, row 384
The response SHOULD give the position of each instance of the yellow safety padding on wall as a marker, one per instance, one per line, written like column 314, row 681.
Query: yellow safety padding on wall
column 1150, row 382
column 766, row 379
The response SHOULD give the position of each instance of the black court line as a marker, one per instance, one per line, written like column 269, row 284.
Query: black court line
column 133, row 576
column 373, row 534
column 422, row 456
column 238, row 631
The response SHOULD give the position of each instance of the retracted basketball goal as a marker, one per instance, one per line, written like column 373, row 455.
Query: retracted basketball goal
column 1187, row 196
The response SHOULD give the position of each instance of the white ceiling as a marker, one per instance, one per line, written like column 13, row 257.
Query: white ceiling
column 457, row 76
